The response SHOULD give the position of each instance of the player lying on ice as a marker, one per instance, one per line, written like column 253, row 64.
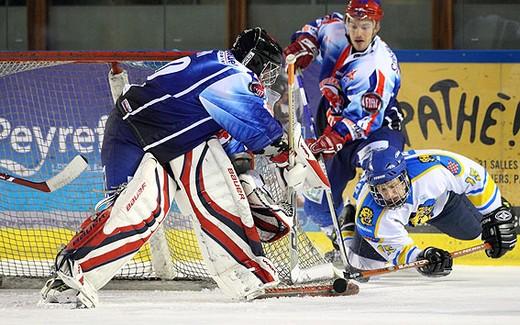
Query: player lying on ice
column 163, row 142
column 446, row 190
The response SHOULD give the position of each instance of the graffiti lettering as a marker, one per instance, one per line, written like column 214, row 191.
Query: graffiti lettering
column 429, row 109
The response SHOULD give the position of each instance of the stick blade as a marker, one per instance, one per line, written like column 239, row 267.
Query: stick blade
column 315, row 290
column 68, row 174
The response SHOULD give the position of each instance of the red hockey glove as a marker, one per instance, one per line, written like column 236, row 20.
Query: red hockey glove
column 331, row 90
column 328, row 143
column 304, row 48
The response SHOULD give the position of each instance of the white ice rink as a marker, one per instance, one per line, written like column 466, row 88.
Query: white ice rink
column 470, row 295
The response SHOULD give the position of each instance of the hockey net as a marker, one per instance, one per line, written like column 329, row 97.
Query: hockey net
column 54, row 106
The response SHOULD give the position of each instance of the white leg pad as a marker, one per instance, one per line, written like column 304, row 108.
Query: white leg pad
column 210, row 191
column 107, row 242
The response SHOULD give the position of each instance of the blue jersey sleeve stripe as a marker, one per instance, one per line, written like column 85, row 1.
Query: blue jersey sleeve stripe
column 490, row 201
column 200, row 82
column 410, row 254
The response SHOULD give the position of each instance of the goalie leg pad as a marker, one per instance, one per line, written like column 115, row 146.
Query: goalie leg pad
column 211, row 192
column 272, row 221
column 109, row 240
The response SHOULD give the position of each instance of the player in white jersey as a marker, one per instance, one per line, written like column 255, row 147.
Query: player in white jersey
column 359, row 80
column 446, row 190
column 163, row 142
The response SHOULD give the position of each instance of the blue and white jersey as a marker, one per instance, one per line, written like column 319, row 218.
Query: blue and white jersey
column 370, row 80
column 194, row 97
column 433, row 175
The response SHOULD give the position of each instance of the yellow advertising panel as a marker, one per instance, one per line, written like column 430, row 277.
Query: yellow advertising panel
column 469, row 108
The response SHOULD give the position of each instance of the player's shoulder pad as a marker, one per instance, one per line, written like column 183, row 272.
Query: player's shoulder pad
column 418, row 163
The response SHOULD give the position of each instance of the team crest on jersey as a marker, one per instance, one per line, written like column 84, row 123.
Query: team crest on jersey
column 257, row 88
column 451, row 164
column 386, row 249
column 366, row 216
column 426, row 158
column 424, row 213
column 371, row 102
column 453, row 167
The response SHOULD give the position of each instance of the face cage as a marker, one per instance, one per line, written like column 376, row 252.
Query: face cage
column 392, row 204
column 269, row 74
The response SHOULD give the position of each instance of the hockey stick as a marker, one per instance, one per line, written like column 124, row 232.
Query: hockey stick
column 64, row 177
column 291, row 192
column 339, row 287
column 416, row 264
column 328, row 193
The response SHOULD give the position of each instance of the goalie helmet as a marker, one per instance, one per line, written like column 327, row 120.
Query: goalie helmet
column 260, row 53
column 365, row 9
column 387, row 177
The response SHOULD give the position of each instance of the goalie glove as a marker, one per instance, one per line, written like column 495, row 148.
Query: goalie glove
column 498, row 229
column 439, row 264
column 304, row 48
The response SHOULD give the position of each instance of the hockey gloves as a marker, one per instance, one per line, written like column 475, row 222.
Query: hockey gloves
column 279, row 155
column 328, row 143
column 439, row 262
column 498, row 229
column 304, row 48
column 331, row 89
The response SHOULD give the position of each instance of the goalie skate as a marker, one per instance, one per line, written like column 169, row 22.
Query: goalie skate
column 87, row 295
column 55, row 291
column 69, row 285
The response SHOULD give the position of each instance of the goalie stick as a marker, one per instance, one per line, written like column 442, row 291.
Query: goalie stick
column 366, row 274
column 64, row 177
column 291, row 192
column 340, row 287
column 328, row 193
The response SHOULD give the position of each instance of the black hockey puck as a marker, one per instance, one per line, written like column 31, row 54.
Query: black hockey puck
column 340, row 285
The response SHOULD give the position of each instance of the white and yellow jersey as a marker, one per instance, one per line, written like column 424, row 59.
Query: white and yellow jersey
column 433, row 175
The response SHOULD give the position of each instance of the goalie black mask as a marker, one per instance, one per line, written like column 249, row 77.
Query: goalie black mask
column 259, row 52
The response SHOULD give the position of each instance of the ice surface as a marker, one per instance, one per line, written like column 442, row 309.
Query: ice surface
column 470, row 295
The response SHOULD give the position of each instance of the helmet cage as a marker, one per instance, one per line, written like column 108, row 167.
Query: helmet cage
column 392, row 203
column 266, row 70
column 263, row 58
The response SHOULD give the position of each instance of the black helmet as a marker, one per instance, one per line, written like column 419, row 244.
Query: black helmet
column 259, row 52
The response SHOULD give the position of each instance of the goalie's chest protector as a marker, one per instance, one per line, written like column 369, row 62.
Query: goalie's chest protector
column 165, row 112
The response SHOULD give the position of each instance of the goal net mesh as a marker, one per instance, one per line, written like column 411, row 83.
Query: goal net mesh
column 51, row 111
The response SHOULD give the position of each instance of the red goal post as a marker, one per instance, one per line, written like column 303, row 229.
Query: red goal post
column 53, row 106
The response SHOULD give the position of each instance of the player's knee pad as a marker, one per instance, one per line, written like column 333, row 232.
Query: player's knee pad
column 271, row 220
column 111, row 238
